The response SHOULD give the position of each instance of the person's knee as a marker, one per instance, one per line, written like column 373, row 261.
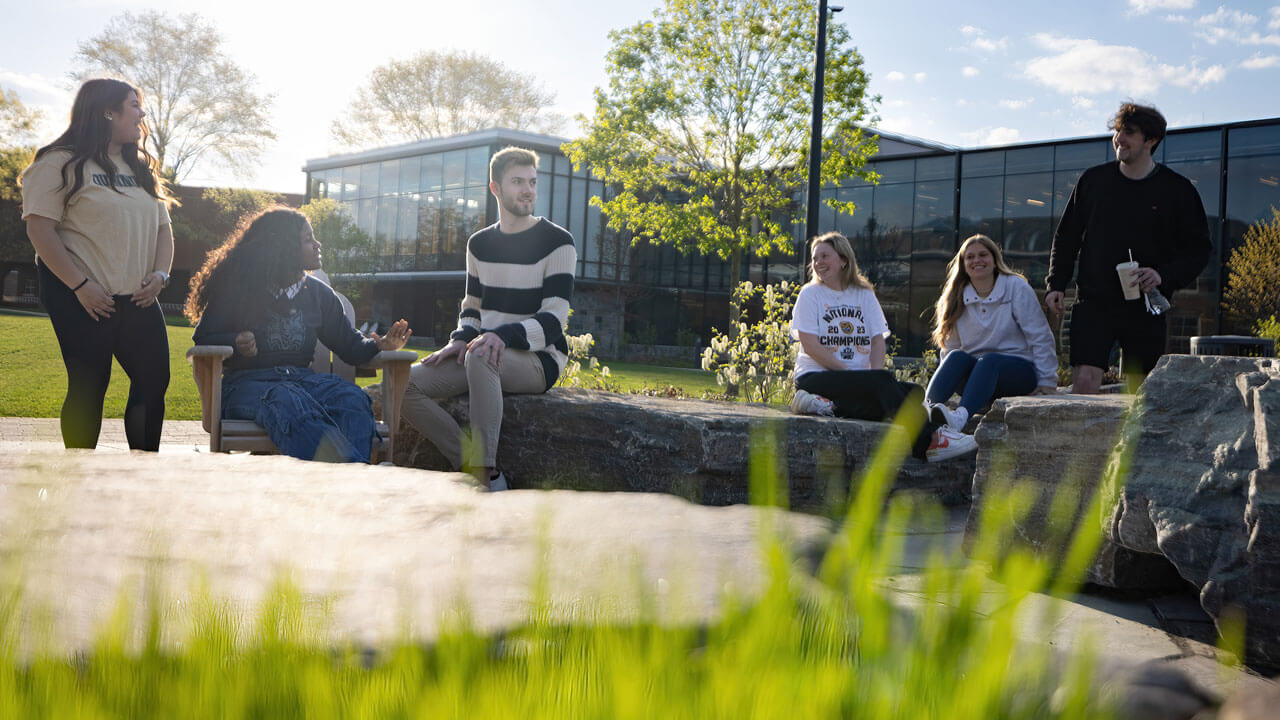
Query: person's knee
column 479, row 365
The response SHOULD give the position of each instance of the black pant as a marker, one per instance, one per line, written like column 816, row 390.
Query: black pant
column 136, row 337
column 871, row 395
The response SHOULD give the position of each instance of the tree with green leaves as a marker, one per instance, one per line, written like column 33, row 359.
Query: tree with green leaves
column 703, row 127
column 205, row 223
column 438, row 93
column 201, row 106
column 1253, row 274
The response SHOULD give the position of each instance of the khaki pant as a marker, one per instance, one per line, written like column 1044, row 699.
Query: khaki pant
column 520, row 373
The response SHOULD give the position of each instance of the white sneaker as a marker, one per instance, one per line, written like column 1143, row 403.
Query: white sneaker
column 806, row 403
column 498, row 483
column 942, row 415
column 949, row 444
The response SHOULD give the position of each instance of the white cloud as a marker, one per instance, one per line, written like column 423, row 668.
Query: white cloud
column 1014, row 104
column 1260, row 62
column 1087, row 67
column 34, row 87
column 894, row 76
column 969, row 71
column 989, row 45
column 1001, row 136
column 1236, row 27
column 1142, row 7
column 920, row 77
column 1177, row 18
column 969, row 30
column 1081, row 102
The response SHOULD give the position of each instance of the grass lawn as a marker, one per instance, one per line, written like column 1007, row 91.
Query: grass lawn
column 33, row 381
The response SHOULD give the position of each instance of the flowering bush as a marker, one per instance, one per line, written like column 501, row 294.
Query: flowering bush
column 595, row 376
column 758, row 361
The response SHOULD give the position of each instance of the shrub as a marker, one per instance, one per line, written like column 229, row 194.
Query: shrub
column 757, row 361
column 595, row 376
column 1253, row 275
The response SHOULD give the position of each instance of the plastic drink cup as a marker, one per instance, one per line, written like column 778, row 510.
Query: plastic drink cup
column 1126, row 272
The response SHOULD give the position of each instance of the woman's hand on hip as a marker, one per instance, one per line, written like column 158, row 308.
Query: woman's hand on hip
column 95, row 300
column 151, row 287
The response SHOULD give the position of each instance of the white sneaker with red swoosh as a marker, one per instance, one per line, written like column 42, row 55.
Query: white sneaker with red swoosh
column 949, row 444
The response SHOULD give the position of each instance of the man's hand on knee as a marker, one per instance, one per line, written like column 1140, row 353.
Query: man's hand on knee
column 454, row 348
column 488, row 347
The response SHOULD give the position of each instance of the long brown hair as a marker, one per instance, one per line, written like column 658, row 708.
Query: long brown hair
column 851, row 276
column 262, row 255
column 950, row 304
column 88, row 137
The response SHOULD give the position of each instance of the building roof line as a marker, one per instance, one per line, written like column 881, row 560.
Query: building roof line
column 535, row 141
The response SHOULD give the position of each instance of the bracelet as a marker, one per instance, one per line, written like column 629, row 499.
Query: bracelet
column 82, row 282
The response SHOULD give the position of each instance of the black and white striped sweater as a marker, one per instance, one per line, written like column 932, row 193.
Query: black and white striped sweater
column 519, row 286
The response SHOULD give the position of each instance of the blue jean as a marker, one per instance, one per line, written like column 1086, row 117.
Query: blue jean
column 308, row 415
column 982, row 379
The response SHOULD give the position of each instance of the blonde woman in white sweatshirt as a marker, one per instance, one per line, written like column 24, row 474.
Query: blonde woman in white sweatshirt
column 994, row 338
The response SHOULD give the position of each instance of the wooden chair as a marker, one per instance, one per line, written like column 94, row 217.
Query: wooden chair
column 227, row 435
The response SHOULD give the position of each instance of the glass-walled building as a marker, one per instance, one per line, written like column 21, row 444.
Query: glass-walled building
column 420, row 202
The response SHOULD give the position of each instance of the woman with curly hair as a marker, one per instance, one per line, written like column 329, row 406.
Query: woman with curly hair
column 994, row 338
column 840, row 366
column 254, row 294
column 97, row 213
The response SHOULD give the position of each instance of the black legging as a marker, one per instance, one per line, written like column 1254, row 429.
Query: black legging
column 136, row 337
column 871, row 395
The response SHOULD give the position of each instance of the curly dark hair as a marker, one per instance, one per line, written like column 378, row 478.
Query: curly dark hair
column 89, row 134
column 1143, row 118
column 263, row 255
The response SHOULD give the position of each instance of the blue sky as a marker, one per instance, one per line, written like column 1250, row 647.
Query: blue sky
column 963, row 73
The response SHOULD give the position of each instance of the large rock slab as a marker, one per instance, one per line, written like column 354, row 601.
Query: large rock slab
column 392, row 551
column 696, row 449
column 1054, row 451
column 1203, row 488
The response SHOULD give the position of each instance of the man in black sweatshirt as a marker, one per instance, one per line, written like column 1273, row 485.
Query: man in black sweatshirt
column 1131, row 209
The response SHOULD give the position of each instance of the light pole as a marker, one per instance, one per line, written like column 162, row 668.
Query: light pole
column 815, row 139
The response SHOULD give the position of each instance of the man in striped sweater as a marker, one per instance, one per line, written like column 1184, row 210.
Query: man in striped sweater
column 510, row 335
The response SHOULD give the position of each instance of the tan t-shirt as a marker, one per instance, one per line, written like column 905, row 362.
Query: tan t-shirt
column 110, row 235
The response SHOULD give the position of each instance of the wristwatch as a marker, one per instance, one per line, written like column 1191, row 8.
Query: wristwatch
column 164, row 277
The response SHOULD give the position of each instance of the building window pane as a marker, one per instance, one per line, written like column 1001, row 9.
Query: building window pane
column 934, row 218
column 1263, row 140
column 1193, row 146
column 1064, row 183
column 432, row 172
column 936, row 168
column 386, row 227
column 428, row 232
column 389, row 177
column 369, row 180
column 351, row 182
column 982, row 207
column 577, row 213
column 852, row 225
column 478, row 165
column 410, row 174
column 455, row 169
column 1028, row 224
column 982, row 164
column 1253, row 188
column 560, row 201
column 542, row 206
column 1022, row 160
column 893, row 171
column 1079, row 155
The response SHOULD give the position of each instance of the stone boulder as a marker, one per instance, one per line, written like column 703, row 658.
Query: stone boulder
column 390, row 553
column 697, row 449
column 1203, row 486
column 1054, row 449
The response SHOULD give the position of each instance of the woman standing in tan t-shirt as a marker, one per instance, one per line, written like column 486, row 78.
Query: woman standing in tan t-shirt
column 97, row 214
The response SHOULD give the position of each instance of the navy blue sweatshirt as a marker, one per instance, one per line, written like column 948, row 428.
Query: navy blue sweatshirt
column 288, row 332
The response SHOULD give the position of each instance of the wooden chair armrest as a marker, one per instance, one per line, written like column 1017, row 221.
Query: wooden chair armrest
column 395, row 366
column 206, row 367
